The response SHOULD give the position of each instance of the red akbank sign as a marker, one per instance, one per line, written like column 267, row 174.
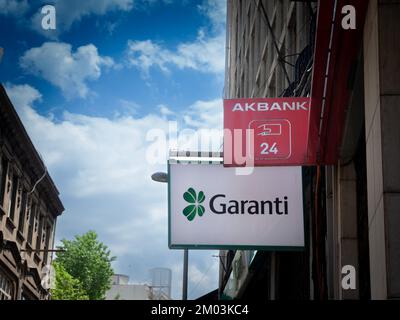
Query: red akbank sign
column 264, row 132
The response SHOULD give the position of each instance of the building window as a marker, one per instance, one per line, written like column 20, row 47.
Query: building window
column 14, row 186
column 6, row 287
column 27, row 294
column 38, row 230
column 3, row 177
column 47, row 243
column 31, row 222
column 21, row 220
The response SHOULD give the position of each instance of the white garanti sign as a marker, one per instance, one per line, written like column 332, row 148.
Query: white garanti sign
column 212, row 208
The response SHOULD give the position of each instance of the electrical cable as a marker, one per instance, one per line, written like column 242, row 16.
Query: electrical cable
column 202, row 278
column 40, row 179
column 281, row 59
column 273, row 38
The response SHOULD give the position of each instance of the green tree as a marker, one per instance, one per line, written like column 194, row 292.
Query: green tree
column 66, row 286
column 87, row 259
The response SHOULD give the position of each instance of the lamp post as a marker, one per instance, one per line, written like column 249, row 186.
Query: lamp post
column 163, row 177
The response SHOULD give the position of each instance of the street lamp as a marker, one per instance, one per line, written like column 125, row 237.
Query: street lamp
column 160, row 177
column 163, row 177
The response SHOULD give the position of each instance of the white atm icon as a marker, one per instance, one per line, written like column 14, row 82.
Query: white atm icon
column 270, row 129
column 272, row 138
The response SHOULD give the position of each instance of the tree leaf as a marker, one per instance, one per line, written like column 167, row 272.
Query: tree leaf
column 88, row 260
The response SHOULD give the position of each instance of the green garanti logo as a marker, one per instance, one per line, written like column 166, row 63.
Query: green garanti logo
column 195, row 204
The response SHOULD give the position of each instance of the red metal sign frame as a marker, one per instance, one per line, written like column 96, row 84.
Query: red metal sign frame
column 266, row 131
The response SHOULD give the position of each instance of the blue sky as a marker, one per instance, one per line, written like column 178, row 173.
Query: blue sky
column 90, row 92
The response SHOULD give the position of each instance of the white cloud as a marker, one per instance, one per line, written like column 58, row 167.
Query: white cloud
column 203, row 127
column 145, row 54
column 71, row 11
column 70, row 71
column 205, row 114
column 202, row 273
column 215, row 10
column 128, row 107
column 205, row 54
column 13, row 7
column 23, row 96
column 165, row 111
column 203, row 277
column 103, row 155
column 99, row 166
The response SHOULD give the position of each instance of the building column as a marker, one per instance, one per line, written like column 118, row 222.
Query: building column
column 20, row 282
column 382, row 113
column 347, row 225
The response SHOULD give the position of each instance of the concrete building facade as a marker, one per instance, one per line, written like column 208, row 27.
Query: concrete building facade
column 29, row 207
column 381, row 46
column 351, row 197
column 121, row 289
